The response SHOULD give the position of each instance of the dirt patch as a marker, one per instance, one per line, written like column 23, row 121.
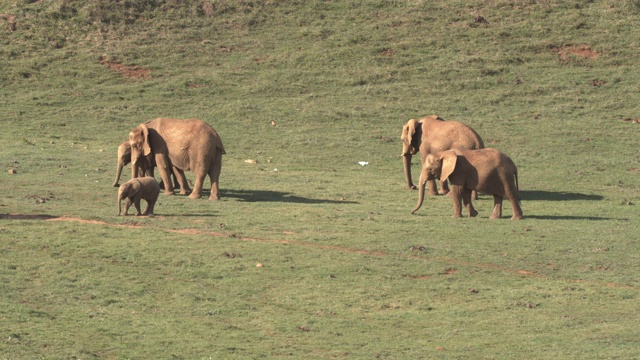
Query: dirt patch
column 566, row 52
column 128, row 71
column 27, row 217
column 388, row 52
column 11, row 21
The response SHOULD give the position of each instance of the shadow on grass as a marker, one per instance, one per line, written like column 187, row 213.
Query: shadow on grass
column 556, row 196
column 276, row 196
column 570, row 217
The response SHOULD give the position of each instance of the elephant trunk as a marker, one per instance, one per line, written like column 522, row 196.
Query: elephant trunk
column 134, row 169
column 119, row 202
column 421, row 187
column 406, row 159
column 119, row 167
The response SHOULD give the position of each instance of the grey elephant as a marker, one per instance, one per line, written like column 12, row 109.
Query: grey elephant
column 189, row 144
column 488, row 171
column 145, row 168
column 136, row 190
column 432, row 134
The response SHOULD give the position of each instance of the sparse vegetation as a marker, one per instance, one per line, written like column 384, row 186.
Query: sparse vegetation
column 305, row 90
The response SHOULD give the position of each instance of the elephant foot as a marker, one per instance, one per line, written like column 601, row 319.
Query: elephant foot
column 185, row 192
column 168, row 193
column 432, row 193
column 194, row 196
column 516, row 217
column 214, row 198
column 473, row 213
column 413, row 187
column 116, row 185
column 456, row 216
column 493, row 217
column 443, row 192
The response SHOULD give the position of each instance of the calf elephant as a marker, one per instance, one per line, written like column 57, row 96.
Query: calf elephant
column 138, row 189
column 486, row 170
column 432, row 134
column 189, row 144
column 145, row 167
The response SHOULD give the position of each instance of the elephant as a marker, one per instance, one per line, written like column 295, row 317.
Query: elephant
column 432, row 134
column 134, row 190
column 486, row 170
column 189, row 144
column 124, row 158
column 146, row 168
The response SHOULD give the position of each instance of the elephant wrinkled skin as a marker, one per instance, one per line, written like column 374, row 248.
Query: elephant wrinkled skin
column 488, row 171
column 183, row 145
column 432, row 134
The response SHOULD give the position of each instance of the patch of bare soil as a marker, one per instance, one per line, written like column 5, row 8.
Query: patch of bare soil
column 27, row 217
column 128, row 71
column 566, row 52
column 11, row 21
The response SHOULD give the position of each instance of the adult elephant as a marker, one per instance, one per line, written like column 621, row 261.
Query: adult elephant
column 189, row 144
column 433, row 134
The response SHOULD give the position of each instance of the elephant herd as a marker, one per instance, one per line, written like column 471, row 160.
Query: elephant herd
column 449, row 150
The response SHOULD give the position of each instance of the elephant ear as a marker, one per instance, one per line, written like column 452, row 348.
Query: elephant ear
column 449, row 159
column 139, row 137
column 132, row 187
column 145, row 144
column 409, row 131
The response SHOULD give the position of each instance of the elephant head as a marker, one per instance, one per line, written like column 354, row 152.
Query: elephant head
column 124, row 157
column 140, row 148
column 411, row 139
column 436, row 166
column 127, row 190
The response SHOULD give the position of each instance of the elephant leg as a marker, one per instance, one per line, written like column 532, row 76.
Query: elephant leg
column 127, row 205
column 214, row 175
column 497, row 207
column 444, row 188
column 474, row 195
column 164, row 166
column 517, row 210
column 136, row 203
column 456, row 195
column 466, row 199
column 432, row 187
column 197, row 186
column 179, row 178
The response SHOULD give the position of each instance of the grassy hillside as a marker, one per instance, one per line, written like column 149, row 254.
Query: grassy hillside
column 308, row 89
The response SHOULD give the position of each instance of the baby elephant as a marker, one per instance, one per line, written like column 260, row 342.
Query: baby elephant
column 486, row 170
column 136, row 189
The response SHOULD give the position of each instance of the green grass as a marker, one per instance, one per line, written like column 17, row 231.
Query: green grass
column 348, row 272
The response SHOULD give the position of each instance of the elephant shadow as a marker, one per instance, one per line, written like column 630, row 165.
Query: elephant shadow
column 276, row 196
column 541, row 195
column 571, row 217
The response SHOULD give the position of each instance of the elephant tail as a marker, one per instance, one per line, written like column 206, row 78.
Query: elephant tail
column 515, row 174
